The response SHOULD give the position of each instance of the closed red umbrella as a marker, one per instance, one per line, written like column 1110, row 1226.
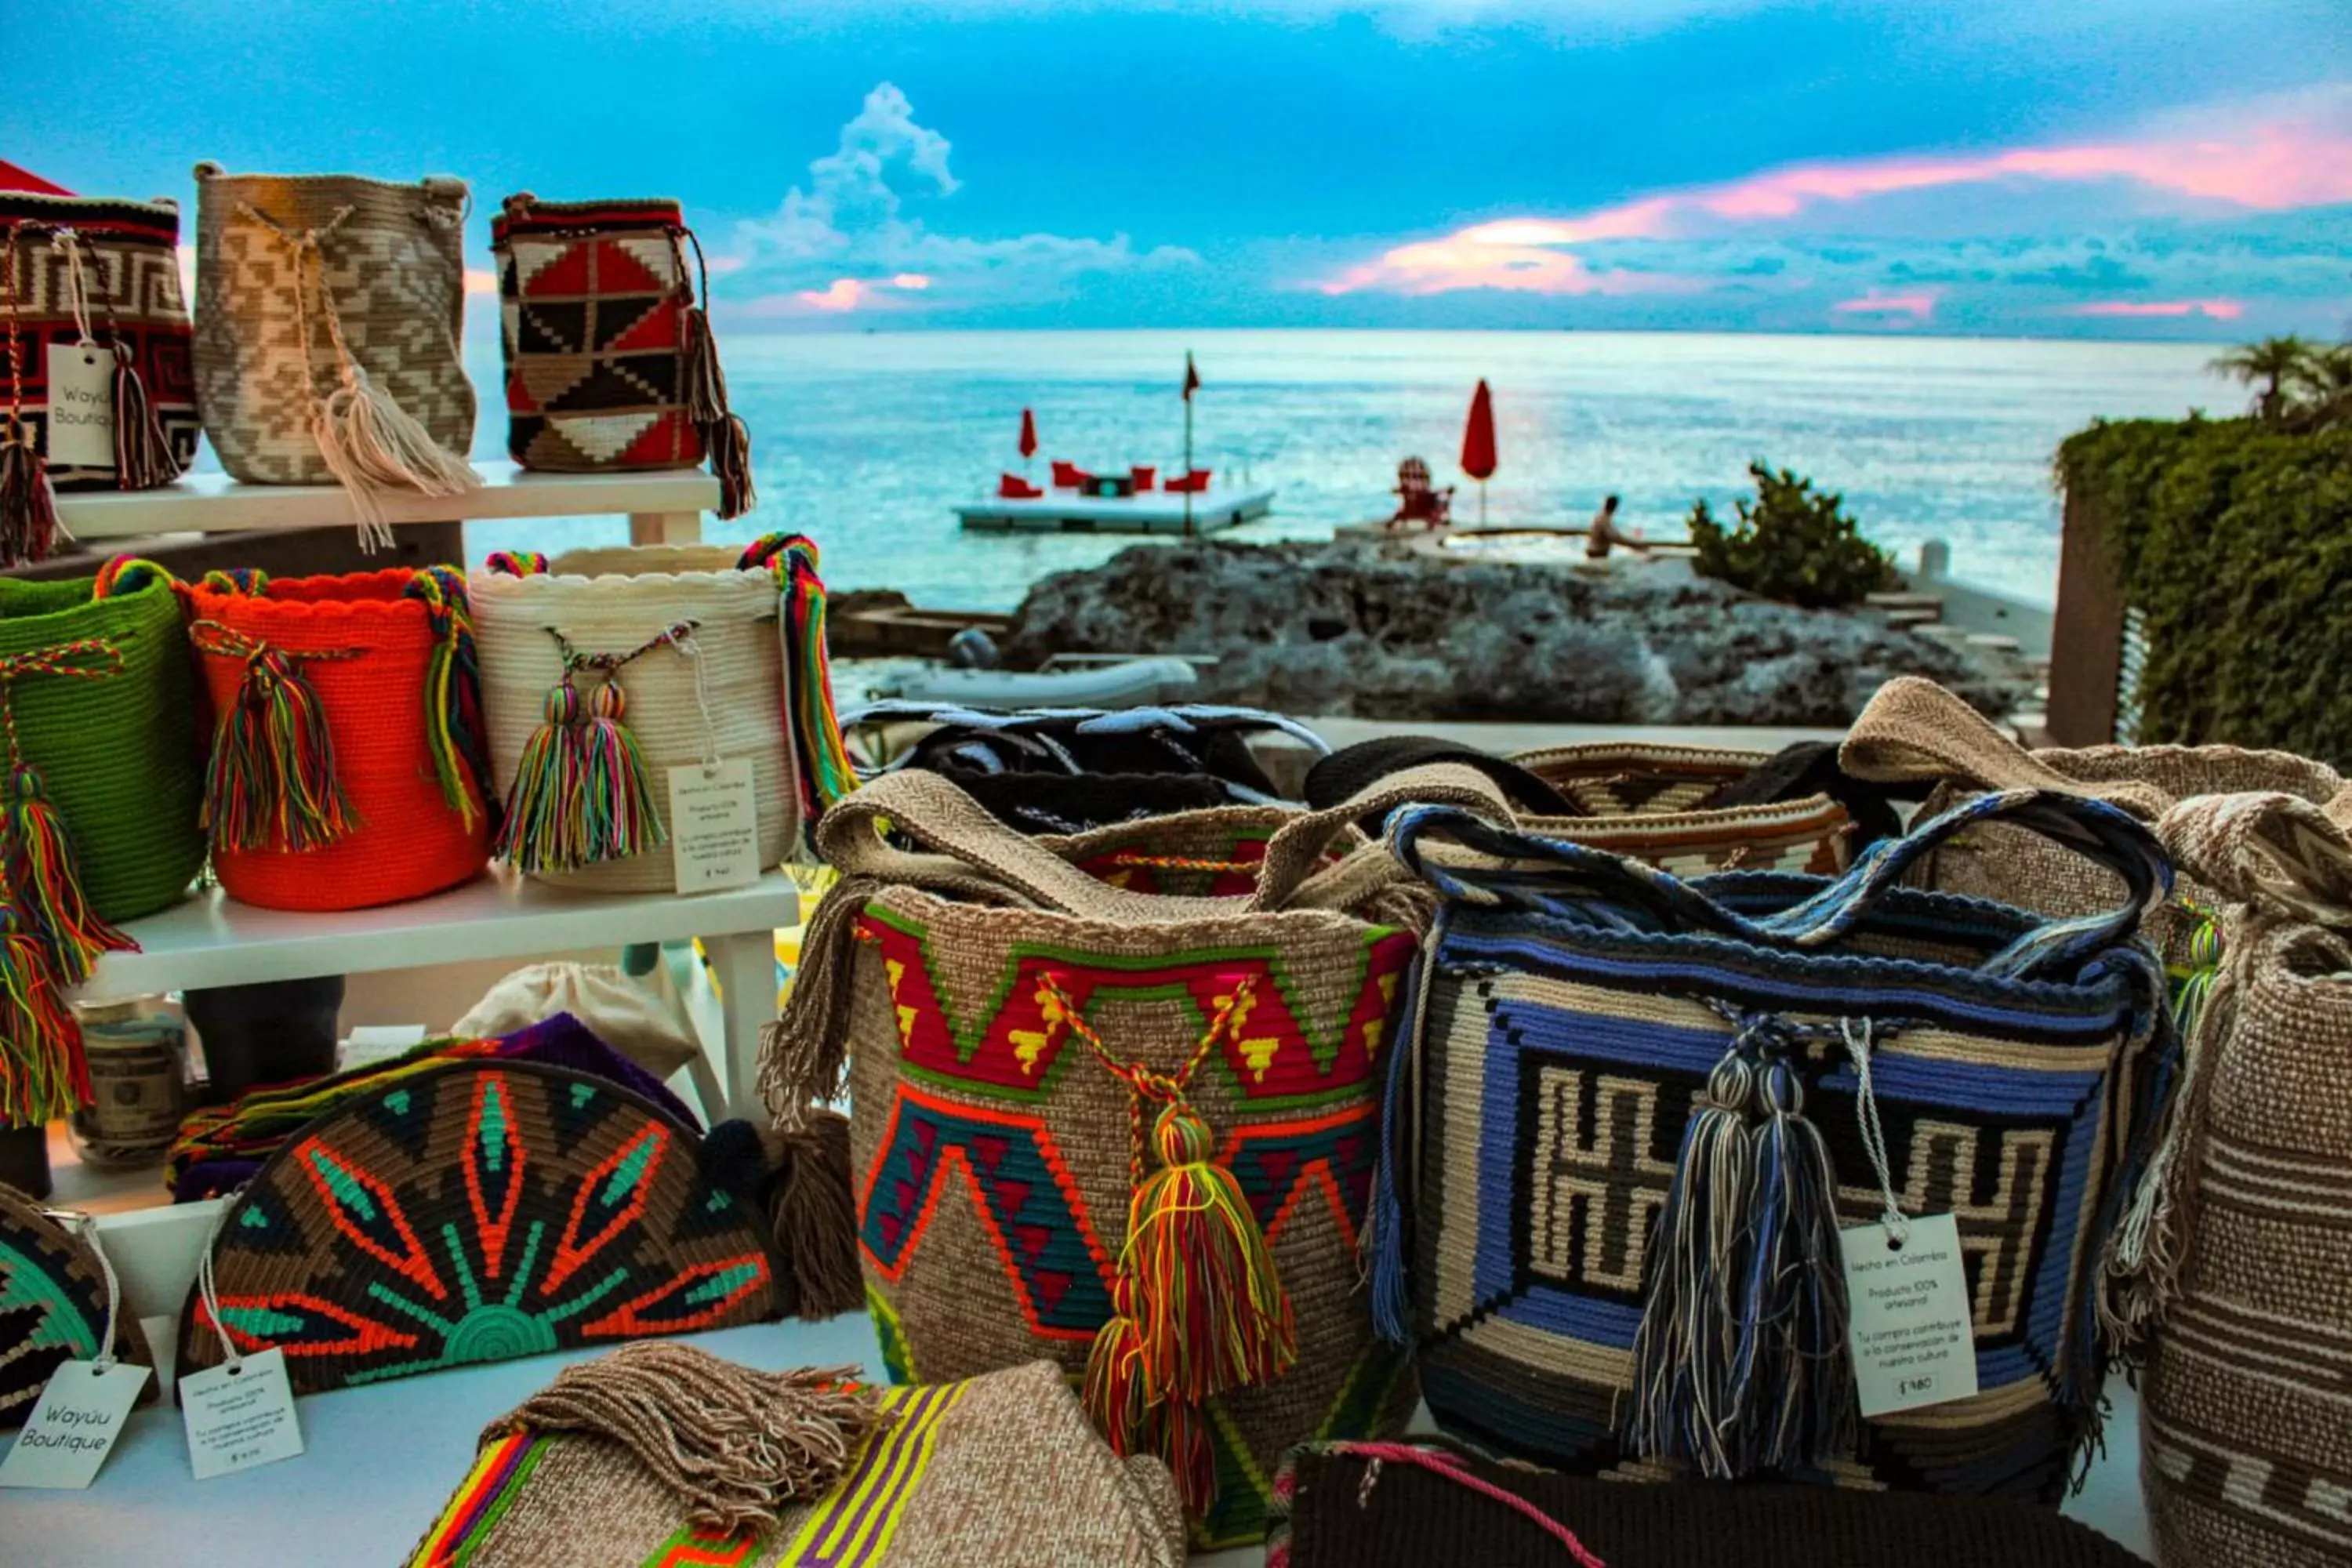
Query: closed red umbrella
column 1478, row 442
column 1028, row 436
column 13, row 178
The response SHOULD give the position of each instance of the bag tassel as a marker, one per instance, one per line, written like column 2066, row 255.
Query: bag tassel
column 1740, row 1362
column 805, row 1052
column 45, row 882
column 43, row 1074
column 2140, row 1272
column 736, row 1447
column 820, row 756
column 29, row 528
column 271, row 782
column 580, row 791
column 726, row 440
column 813, row 1214
column 143, row 457
column 371, row 445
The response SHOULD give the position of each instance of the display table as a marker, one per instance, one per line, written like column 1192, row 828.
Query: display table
column 380, row 1461
column 212, row 940
column 664, row 506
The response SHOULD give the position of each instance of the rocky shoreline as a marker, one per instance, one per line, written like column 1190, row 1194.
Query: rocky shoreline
column 1379, row 630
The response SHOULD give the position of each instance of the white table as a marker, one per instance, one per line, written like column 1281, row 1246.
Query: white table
column 212, row 940
column 664, row 506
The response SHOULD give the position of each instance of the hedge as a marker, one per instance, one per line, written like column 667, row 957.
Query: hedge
column 2234, row 540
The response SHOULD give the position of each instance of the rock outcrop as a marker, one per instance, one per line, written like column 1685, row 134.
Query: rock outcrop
column 1388, row 631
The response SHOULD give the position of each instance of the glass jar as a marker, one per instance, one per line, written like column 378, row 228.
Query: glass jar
column 138, row 1055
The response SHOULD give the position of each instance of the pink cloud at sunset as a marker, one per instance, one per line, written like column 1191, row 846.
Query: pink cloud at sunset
column 2215, row 309
column 1918, row 304
column 2274, row 166
column 843, row 294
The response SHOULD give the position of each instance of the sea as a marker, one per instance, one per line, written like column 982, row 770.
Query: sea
column 866, row 441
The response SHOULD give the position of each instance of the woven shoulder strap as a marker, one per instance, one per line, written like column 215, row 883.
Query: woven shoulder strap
column 1555, row 877
column 1354, row 769
column 961, row 840
column 2276, row 851
column 1915, row 730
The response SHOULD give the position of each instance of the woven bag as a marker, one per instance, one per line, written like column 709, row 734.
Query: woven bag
column 57, row 1303
column 1914, row 732
column 347, row 766
column 1601, row 1049
column 2245, row 1439
column 1394, row 1505
column 610, row 361
column 999, row 1469
column 98, row 281
column 476, row 1212
column 605, row 669
column 1015, row 1033
column 330, row 320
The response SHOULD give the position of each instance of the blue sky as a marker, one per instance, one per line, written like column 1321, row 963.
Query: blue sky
column 2041, row 167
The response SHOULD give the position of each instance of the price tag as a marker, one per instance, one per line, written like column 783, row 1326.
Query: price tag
column 1908, row 1322
column 81, row 406
column 370, row 1043
column 74, row 1427
column 714, row 826
column 239, row 1417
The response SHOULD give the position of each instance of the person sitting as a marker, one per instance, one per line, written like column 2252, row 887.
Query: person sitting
column 1419, row 501
column 1604, row 534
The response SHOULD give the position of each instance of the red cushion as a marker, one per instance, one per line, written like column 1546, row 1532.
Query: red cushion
column 1143, row 477
column 1012, row 487
column 1070, row 476
column 1193, row 482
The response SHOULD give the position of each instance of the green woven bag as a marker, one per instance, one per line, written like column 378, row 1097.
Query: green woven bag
column 115, row 744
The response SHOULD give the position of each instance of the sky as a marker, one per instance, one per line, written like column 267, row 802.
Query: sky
column 2044, row 168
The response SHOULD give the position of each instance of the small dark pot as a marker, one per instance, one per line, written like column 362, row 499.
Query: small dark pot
column 279, row 1031
column 25, row 1160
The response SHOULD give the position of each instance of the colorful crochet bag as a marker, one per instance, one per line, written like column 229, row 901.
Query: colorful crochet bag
column 99, row 394
column 664, row 1454
column 1636, row 1112
column 330, row 324
column 347, row 767
column 58, row 1302
column 610, row 361
column 105, row 767
column 477, row 1212
column 607, row 670
column 1131, row 1132
column 2245, row 1450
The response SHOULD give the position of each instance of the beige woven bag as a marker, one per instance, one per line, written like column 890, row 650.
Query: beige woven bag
column 329, row 315
column 2246, row 1422
column 677, row 645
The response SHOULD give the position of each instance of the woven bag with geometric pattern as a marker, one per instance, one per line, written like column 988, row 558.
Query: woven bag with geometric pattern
column 610, row 361
column 1634, row 1111
column 477, row 1212
column 55, row 1306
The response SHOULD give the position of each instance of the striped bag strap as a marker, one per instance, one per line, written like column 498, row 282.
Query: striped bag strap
column 820, row 758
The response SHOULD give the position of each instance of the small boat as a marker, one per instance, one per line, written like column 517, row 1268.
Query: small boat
column 1123, row 509
column 1126, row 684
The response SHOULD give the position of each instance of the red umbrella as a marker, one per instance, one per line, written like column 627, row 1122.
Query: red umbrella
column 13, row 178
column 1478, row 442
column 1028, row 436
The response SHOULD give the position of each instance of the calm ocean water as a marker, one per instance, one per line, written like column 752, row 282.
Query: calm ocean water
column 866, row 440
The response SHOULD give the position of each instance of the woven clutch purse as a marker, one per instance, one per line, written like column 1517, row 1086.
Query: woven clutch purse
column 54, row 1305
column 1604, row 1060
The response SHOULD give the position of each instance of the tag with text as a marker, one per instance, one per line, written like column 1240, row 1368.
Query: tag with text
column 73, row 1429
column 714, row 826
column 240, row 1416
column 81, row 406
column 1907, row 1316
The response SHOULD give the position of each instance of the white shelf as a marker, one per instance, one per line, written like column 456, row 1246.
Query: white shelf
column 215, row 503
column 212, row 939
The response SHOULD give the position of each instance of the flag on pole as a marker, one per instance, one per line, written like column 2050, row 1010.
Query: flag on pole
column 1192, row 377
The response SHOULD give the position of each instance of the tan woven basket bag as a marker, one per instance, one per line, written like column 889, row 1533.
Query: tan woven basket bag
column 1656, row 803
column 681, row 645
column 1058, row 1085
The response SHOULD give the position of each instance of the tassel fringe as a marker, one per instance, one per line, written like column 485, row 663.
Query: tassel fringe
column 371, row 445
column 143, row 457
column 804, row 1053
column 43, row 1074
column 814, row 1215
column 271, row 782
column 47, row 884
column 581, row 795
column 725, row 438
column 29, row 528
column 735, row 1447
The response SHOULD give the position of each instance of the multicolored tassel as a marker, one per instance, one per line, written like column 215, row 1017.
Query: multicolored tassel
column 46, row 883
column 29, row 528
column 271, row 782
column 822, row 757
column 582, row 793
column 452, row 720
column 143, row 456
column 43, row 1074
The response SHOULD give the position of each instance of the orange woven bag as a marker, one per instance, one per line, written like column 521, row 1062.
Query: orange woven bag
column 347, row 764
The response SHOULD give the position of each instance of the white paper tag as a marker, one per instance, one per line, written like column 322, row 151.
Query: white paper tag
column 74, row 1427
column 1907, row 1319
column 81, row 406
column 377, row 1043
column 714, row 826
column 240, row 1416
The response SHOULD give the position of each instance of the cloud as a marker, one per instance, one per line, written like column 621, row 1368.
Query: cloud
column 2288, row 155
column 1916, row 306
column 845, row 241
column 2213, row 309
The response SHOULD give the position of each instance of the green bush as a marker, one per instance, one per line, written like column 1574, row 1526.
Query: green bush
column 1791, row 544
column 2234, row 539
